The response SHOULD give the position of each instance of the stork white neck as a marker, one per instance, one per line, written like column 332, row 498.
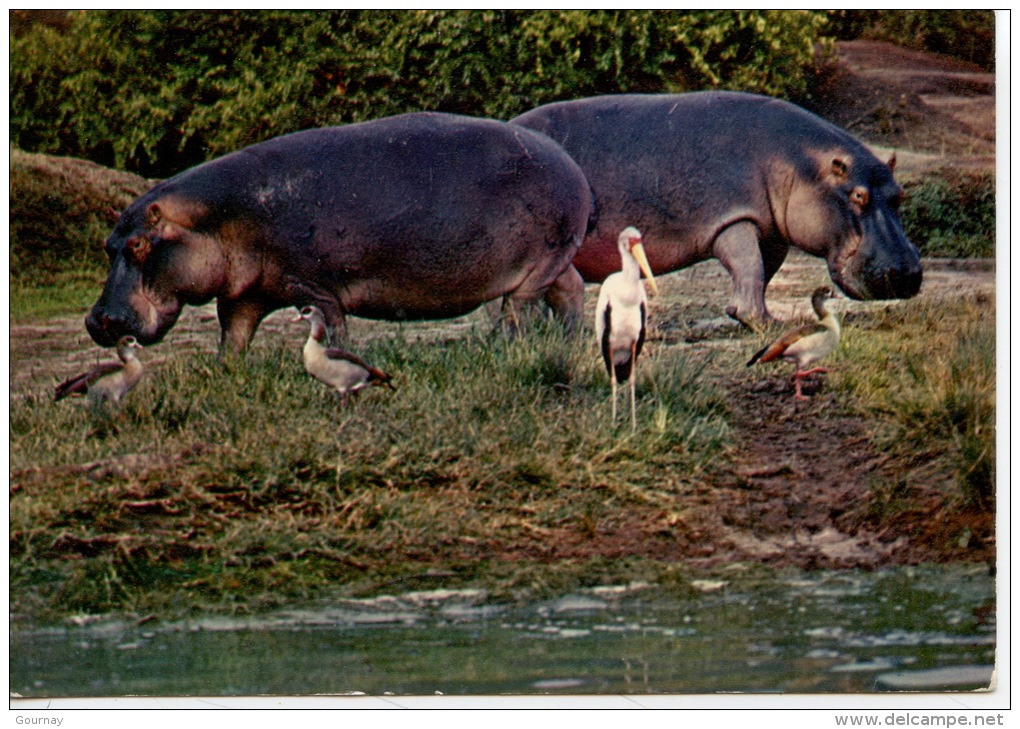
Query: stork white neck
column 630, row 269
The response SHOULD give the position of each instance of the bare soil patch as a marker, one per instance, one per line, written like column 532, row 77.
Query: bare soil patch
column 806, row 486
column 931, row 110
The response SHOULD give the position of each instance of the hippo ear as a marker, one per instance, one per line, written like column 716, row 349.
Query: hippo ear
column 179, row 211
column 892, row 163
column 840, row 168
column 153, row 215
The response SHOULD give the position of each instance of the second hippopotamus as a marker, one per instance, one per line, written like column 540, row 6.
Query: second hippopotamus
column 737, row 177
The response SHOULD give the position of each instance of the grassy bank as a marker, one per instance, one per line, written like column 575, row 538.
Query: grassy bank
column 250, row 479
column 235, row 487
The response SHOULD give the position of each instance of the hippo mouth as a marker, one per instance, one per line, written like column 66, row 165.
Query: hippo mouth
column 877, row 267
column 145, row 320
column 877, row 284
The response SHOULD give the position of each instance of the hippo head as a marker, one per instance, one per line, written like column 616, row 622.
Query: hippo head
column 158, row 263
column 844, row 208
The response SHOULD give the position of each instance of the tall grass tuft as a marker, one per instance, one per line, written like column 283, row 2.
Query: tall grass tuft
column 929, row 372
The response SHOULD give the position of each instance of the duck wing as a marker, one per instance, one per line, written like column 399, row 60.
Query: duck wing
column 375, row 375
column 79, row 384
column 778, row 347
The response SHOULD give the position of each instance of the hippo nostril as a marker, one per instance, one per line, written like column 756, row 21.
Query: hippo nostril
column 905, row 282
column 105, row 327
column 912, row 281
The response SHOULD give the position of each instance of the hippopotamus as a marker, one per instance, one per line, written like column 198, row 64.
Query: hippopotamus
column 416, row 216
column 737, row 177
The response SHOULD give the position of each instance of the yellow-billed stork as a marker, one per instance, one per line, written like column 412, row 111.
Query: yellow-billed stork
column 806, row 344
column 107, row 380
column 343, row 371
column 620, row 315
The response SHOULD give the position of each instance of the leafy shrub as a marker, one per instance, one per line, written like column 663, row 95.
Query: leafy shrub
column 951, row 214
column 167, row 89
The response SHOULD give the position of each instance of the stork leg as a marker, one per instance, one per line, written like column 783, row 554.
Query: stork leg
column 633, row 386
column 612, row 378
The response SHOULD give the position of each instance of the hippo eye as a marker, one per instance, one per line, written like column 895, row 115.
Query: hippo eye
column 138, row 248
column 859, row 197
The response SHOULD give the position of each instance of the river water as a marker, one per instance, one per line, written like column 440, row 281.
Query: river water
column 915, row 629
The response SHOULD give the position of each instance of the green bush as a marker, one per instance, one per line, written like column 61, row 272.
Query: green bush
column 951, row 214
column 157, row 91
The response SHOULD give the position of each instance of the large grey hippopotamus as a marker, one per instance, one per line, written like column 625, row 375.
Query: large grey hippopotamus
column 737, row 177
column 417, row 216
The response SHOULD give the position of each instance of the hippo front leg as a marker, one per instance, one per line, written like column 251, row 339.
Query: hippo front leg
column 238, row 321
column 301, row 293
column 738, row 249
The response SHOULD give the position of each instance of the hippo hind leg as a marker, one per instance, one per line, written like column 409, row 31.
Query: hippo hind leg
column 564, row 296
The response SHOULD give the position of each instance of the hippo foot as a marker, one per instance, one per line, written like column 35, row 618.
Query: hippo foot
column 755, row 324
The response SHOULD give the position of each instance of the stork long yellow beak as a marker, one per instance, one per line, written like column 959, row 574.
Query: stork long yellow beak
column 638, row 251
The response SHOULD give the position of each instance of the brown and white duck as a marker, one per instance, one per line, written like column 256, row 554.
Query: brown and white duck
column 621, row 314
column 807, row 344
column 343, row 371
column 107, row 380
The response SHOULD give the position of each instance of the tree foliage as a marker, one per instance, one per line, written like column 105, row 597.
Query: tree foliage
column 157, row 91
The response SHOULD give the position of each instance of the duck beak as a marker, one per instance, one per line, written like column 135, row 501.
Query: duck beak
column 638, row 251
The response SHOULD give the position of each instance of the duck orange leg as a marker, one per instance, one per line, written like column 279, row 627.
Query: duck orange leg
column 798, row 376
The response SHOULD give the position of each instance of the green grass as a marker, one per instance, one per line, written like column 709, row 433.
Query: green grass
column 53, row 295
column 248, row 483
column 242, row 485
column 927, row 373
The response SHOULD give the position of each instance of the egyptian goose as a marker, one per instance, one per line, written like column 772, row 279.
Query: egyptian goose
column 341, row 370
column 107, row 380
column 620, row 315
column 806, row 344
